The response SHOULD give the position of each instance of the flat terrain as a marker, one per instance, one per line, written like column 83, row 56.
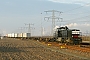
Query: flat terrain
column 15, row 49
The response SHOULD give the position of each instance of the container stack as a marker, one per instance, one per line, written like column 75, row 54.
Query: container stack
column 19, row 35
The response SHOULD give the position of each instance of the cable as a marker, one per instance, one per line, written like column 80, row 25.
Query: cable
column 81, row 17
column 76, row 13
column 77, row 8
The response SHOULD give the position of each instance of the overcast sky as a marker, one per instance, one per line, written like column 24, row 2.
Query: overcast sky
column 14, row 13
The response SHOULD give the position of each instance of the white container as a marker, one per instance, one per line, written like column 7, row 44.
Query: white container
column 20, row 35
column 16, row 34
column 9, row 35
column 13, row 35
column 26, row 34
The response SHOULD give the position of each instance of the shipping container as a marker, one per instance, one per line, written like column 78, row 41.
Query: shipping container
column 9, row 35
column 20, row 35
column 13, row 35
column 26, row 35
column 16, row 34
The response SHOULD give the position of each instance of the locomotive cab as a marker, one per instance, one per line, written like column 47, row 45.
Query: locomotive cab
column 76, row 36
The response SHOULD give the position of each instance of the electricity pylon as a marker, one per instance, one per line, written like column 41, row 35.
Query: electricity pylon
column 53, row 17
column 29, row 27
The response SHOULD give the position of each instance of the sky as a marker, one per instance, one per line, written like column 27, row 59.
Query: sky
column 14, row 14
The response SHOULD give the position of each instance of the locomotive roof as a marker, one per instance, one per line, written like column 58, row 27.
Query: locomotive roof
column 63, row 27
column 66, row 28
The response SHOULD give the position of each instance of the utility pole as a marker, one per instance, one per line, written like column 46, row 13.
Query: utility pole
column 53, row 17
column 29, row 27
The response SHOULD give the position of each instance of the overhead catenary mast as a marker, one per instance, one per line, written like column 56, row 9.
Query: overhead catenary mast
column 53, row 17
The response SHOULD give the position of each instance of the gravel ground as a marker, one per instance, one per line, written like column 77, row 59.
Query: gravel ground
column 14, row 49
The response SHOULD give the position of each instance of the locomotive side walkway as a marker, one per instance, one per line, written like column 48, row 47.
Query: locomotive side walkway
column 14, row 49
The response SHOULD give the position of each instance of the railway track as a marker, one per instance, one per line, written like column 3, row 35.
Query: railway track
column 80, row 48
column 83, row 49
column 74, row 50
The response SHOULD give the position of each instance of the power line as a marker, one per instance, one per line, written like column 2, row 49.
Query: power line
column 77, row 13
column 79, row 18
column 76, row 8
